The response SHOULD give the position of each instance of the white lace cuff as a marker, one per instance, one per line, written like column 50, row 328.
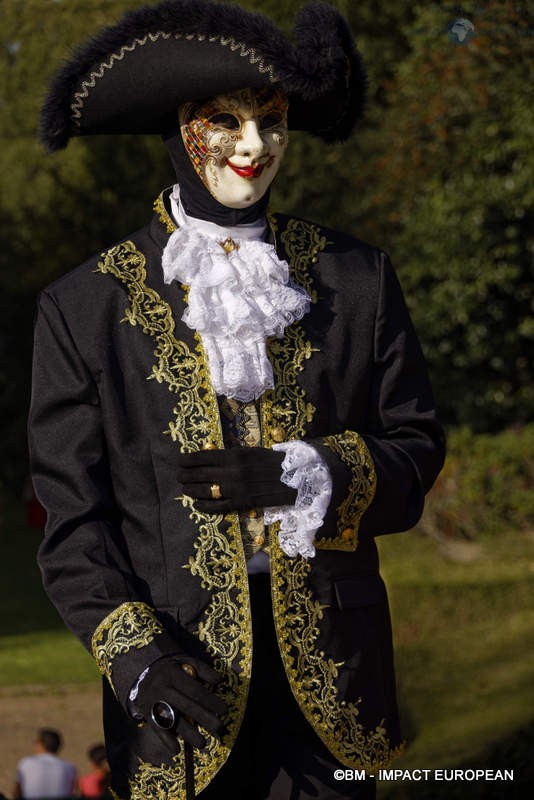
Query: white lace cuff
column 304, row 470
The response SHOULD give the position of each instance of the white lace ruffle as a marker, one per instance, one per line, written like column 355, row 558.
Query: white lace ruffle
column 304, row 470
column 236, row 301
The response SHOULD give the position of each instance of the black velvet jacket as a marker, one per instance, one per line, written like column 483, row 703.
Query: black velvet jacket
column 120, row 384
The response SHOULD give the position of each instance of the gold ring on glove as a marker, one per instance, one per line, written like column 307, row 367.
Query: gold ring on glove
column 215, row 490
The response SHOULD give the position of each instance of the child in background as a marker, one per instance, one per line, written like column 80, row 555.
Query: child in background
column 95, row 783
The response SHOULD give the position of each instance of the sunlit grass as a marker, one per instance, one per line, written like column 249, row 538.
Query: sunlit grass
column 47, row 659
column 464, row 644
column 464, row 637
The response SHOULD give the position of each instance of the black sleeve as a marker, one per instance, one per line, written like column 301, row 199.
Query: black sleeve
column 85, row 572
column 381, row 474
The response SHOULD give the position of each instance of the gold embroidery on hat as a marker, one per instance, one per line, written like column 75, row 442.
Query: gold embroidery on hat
column 89, row 83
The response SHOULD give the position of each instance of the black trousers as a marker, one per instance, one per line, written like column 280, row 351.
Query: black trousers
column 277, row 755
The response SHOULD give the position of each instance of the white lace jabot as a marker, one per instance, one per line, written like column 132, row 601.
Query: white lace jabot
column 237, row 298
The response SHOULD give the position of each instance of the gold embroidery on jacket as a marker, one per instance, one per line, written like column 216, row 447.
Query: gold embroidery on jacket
column 241, row 428
column 164, row 781
column 297, row 614
column 186, row 373
column 351, row 448
column 303, row 242
column 285, row 407
column 163, row 215
column 226, row 630
column 219, row 560
column 312, row 674
column 130, row 625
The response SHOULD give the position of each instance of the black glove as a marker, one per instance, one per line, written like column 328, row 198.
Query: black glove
column 190, row 697
column 247, row 477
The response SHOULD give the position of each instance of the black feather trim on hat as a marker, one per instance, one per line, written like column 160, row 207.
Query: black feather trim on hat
column 132, row 75
column 335, row 74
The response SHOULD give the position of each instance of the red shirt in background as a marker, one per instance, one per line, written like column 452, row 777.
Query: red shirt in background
column 94, row 784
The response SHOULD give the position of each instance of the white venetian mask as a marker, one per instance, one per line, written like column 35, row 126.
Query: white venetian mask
column 236, row 142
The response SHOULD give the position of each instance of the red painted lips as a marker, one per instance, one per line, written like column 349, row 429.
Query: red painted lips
column 250, row 172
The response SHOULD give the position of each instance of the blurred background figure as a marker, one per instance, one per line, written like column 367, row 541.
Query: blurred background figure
column 35, row 513
column 96, row 782
column 45, row 774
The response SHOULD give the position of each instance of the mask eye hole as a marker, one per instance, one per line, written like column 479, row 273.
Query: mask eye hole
column 225, row 120
column 270, row 120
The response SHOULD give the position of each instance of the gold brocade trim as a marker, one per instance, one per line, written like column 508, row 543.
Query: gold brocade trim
column 240, row 48
column 219, row 562
column 219, row 559
column 285, row 407
column 186, row 373
column 226, row 630
column 129, row 625
column 241, row 427
column 297, row 614
column 312, row 674
column 353, row 451
column 303, row 242
column 163, row 215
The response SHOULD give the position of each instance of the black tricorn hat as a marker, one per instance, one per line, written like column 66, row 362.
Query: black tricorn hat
column 132, row 77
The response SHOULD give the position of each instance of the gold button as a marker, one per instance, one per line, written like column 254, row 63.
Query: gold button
column 278, row 434
column 252, row 514
column 229, row 246
column 347, row 534
column 259, row 539
column 210, row 446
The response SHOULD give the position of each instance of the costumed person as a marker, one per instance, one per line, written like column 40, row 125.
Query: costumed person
column 227, row 408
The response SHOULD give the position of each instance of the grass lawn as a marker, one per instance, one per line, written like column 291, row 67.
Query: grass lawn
column 464, row 634
column 35, row 647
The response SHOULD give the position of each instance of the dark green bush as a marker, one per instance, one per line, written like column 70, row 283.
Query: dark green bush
column 485, row 487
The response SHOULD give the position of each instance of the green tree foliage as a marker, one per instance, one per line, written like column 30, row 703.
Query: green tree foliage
column 57, row 210
column 450, row 193
column 485, row 487
column 438, row 175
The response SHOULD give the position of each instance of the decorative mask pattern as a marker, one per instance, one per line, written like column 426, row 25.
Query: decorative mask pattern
column 236, row 142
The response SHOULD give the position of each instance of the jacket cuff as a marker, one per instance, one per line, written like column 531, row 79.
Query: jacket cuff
column 128, row 640
column 354, row 484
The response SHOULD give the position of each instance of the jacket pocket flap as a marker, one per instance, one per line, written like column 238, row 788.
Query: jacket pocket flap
column 359, row 590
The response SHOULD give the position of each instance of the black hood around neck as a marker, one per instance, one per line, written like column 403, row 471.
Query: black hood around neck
column 197, row 200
